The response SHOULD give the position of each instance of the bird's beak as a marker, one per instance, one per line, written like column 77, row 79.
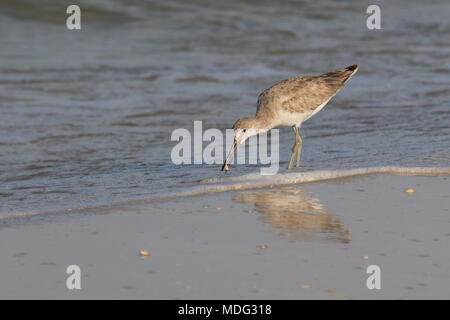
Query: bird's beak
column 230, row 156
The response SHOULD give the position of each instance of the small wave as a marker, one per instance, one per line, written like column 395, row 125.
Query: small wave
column 196, row 79
column 50, row 10
column 249, row 181
column 255, row 180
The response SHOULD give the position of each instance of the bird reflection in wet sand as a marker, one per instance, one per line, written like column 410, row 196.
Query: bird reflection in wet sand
column 295, row 214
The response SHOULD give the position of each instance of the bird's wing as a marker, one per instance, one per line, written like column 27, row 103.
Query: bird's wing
column 305, row 94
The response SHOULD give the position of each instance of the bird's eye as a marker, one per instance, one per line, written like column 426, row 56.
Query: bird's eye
column 244, row 130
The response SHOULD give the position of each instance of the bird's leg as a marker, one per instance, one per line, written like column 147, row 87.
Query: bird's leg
column 299, row 142
column 295, row 147
column 294, row 151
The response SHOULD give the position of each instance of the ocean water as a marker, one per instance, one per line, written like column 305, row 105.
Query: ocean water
column 86, row 116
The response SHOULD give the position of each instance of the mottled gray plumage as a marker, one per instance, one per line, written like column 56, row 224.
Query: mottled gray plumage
column 291, row 102
column 302, row 94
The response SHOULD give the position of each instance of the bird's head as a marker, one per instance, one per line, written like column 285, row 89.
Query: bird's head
column 244, row 128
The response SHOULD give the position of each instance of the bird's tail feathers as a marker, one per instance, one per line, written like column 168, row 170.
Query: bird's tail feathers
column 350, row 71
column 342, row 75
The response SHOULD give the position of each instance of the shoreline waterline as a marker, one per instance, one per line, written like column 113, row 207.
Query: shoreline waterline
column 246, row 182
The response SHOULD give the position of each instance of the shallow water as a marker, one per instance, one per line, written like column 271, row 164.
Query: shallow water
column 86, row 117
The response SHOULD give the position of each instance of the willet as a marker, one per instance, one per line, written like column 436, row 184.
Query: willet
column 290, row 103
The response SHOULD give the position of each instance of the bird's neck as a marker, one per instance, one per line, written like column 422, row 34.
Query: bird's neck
column 261, row 124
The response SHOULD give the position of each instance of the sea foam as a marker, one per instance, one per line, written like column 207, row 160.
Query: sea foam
column 255, row 180
column 249, row 181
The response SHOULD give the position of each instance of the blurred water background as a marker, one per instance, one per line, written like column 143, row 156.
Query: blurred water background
column 86, row 116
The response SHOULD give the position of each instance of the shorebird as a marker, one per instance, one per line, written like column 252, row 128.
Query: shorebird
column 290, row 103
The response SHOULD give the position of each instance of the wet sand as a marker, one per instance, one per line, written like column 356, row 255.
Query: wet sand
column 289, row 242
